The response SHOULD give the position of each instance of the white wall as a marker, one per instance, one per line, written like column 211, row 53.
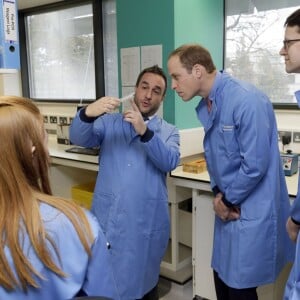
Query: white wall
column 10, row 83
column 191, row 141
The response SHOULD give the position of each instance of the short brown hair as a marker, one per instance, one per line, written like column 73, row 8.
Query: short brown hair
column 154, row 70
column 293, row 19
column 192, row 54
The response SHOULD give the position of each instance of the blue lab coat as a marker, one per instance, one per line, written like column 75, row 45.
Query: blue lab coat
column 130, row 197
column 243, row 160
column 93, row 275
column 292, row 289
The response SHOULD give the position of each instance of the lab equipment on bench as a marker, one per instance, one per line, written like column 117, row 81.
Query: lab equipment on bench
column 83, row 150
column 289, row 163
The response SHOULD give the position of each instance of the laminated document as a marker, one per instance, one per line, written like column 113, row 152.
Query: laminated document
column 9, row 35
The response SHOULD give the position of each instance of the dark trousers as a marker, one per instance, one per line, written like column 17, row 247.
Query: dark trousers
column 224, row 292
column 152, row 295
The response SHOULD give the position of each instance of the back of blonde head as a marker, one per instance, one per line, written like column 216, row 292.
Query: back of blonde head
column 24, row 183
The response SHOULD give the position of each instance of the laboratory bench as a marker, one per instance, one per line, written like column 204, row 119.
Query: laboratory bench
column 69, row 169
column 61, row 157
column 203, row 216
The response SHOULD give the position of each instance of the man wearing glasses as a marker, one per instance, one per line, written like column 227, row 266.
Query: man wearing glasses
column 291, row 53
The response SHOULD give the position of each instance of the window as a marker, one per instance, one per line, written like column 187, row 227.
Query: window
column 253, row 38
column 64, row 57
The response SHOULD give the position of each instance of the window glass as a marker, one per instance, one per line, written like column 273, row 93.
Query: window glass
column 60, row 52
column 110, row 47
column 253, row 38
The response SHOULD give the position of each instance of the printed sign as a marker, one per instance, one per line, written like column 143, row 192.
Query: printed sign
column 10, row 20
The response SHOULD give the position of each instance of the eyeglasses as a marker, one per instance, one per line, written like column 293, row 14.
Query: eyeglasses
column 286, row 43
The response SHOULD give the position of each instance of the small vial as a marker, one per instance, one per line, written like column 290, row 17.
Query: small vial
column 127, row 98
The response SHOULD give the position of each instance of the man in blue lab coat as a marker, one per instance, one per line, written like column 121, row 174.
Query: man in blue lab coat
column 243, row 160
column 130, row 197
column 291, row 53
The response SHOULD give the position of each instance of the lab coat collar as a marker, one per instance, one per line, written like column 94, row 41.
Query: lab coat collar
column 213, row 91
column 206, row 118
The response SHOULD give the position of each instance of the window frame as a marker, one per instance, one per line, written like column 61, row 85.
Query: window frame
column 276, row 105
column 98, row 46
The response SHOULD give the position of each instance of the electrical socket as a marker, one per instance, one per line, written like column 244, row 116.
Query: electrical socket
column 46, row 119
column 70, row 119
column 63, row 120
column 53, row 119
column 296, row 137
column 282, row 133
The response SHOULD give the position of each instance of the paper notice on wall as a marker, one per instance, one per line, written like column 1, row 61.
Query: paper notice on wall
column 10, row 20
column 130, row 65
column 151, row 55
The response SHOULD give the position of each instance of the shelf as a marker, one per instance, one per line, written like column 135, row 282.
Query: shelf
column 8, row 71
column 183, row 270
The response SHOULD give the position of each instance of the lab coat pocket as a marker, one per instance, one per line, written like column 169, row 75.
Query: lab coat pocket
column 157, row 222
column 257, row 244
column 156, row 233
column 157, row 214
column 228, row 137
column 102, row 207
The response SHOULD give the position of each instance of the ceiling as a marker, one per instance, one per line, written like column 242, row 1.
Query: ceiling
column 31, row 3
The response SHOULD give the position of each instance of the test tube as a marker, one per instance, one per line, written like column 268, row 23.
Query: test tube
column 126, row 104
column 128, row 97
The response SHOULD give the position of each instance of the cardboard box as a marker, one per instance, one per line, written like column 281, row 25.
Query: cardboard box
column 82, row 194
column 195, row 166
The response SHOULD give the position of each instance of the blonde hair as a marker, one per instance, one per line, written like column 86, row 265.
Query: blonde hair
column 24, row 184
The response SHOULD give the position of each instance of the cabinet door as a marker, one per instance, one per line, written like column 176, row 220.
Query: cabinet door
column 203, row 227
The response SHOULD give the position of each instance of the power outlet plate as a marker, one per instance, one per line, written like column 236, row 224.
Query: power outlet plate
column 53, row 119
column 63, row 120
column 296, row 137
column 282, row 133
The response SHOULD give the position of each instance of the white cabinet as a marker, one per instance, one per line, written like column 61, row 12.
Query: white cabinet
column 202, row 237
column 203, row 227
column 177, row 262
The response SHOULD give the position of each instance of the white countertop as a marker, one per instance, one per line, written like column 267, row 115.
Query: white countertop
column 291, row 181
column 90, row 162
column 60, row 156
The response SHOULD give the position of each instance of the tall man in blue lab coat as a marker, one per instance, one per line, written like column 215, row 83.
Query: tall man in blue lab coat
column 130, row 197
column 291, row 53
column 243, row 160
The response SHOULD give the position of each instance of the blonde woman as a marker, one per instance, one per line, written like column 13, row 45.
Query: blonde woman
column 50, row 247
